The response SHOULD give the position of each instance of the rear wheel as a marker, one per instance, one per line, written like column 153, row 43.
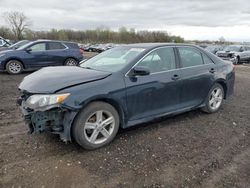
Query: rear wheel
column 70, row 62
column 237, row 60
column 14, row 67
column 214, row 99
column 96, row 125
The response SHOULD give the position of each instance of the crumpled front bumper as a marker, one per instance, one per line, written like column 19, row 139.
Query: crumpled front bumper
column 56, row 120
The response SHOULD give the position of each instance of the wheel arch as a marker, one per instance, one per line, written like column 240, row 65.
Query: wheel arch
column 14, row 58
column 224, row 85
column 107, row 100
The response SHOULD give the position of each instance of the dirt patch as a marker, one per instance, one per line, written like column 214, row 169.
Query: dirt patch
column 189, row 150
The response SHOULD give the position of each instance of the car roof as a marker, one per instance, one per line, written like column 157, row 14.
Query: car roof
column 46, row 40
column 156, row 45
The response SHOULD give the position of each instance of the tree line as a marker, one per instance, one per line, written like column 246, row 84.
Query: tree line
column 18, row 29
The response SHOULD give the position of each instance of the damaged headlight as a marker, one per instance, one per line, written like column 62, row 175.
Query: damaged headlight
column 45, row 102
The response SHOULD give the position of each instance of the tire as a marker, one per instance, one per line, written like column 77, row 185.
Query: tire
column 90, row 131
column 70, row 62
column 214, row 100
column 237, row 60
column 14, row 67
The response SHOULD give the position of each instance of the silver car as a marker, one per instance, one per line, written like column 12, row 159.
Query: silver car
column 235, row 53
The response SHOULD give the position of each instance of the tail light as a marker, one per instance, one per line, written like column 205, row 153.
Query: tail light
column 81, row 51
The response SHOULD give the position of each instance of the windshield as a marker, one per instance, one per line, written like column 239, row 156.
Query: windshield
column 19, row 44
column 25, row 46
column 112, row 60
column 232, row 48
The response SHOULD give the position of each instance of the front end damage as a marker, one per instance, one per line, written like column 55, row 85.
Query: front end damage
column 57, row 120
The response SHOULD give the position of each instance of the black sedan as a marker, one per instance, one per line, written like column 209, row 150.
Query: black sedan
column 122, row 87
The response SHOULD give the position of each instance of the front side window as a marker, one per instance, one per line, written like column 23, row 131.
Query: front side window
column 159, row 60
column 38, row 47
column 55, row 46
column 190, row 57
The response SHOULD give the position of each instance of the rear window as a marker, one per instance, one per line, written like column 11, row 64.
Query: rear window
column 72, row 45
column 55, row 46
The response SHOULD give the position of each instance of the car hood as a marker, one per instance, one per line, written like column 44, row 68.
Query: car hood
column 226, row 52
column 10, row 52
column 53, row 79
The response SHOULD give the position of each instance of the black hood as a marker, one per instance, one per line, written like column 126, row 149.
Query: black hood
column 52, row 79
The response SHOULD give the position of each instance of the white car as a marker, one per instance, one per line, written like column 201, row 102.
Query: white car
column 4, row 42
column 235, row 53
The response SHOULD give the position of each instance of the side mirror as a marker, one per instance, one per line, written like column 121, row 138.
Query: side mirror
column 140, row 71
column 28, row 50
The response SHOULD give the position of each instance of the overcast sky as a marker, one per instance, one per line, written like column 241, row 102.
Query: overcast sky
column 191, row 19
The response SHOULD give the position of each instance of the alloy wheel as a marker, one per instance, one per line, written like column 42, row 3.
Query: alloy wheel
column 71, row 62
column 216, row 98
column 99, row 127
column 14, row 67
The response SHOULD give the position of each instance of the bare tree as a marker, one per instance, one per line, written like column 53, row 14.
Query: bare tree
column 222, row 39
column 18, row 23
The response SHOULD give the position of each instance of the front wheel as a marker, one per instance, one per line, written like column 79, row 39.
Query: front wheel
column 214, row 99
column 96, row 125
column 14, row 67
column 237, row 60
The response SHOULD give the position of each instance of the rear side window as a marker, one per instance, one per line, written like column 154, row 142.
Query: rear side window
column 159, row 60
column 247, row 48
column 206, row 59
column 190, row 57
column 72, row 45
column 55, row 46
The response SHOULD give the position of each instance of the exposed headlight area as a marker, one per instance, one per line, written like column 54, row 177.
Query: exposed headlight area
column 45, row 102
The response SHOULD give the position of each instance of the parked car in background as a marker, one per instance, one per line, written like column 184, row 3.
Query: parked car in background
column 122, row 87
column 103, row 47
column 15, row 45
column 92, row 48
column 214, row 48
column 235, row 53
column 4, row 42
column 38, row 54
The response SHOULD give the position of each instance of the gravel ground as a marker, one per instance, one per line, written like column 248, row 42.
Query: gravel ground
column 189, row 150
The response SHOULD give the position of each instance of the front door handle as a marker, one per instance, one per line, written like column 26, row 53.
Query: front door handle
column 212, row 70
column 175, row 77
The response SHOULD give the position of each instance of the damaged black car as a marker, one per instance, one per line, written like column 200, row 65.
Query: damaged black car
column 123, row 87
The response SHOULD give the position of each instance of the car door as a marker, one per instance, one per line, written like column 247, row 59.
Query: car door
column 36, row 56
column 198, row 75
column 56, row 53
column 245, row 53
column 157, row 92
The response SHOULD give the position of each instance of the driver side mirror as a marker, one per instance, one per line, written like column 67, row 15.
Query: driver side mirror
column 28, row 50
column 140, row 71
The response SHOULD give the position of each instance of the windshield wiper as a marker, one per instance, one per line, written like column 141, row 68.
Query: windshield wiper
column 87, row 67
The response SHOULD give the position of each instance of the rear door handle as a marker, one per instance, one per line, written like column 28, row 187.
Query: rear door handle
column 212, row 70
column 175, row 77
